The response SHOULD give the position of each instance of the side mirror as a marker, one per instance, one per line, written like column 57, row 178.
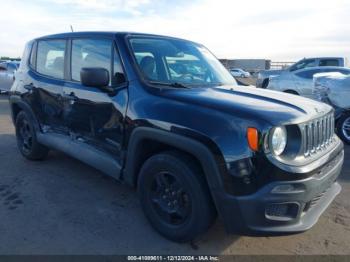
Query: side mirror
column 94, row 77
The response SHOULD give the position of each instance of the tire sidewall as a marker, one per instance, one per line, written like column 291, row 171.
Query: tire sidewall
column 32, row 154
column 340, row 124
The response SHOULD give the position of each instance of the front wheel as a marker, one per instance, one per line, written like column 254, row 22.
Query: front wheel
column 27, row 142
column 343, row 128
column 175, row 197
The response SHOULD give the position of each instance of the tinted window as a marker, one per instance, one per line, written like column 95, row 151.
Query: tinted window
column 90, row 53
column 50, row 58
column 329, row 62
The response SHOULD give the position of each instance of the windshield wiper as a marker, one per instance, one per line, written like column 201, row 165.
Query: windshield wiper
column 172, row 84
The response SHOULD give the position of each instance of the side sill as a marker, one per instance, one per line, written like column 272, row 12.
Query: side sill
column 83, row 152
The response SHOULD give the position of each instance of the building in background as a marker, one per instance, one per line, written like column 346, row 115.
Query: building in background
column 254, row 65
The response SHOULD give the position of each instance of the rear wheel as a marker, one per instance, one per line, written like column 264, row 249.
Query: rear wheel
column 291, row 92
column 265, row 83
column 343, row 128
column 175, row 197
column 27, row 142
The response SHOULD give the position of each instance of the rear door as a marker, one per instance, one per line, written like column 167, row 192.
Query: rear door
column 92, row 115
column 45, row 83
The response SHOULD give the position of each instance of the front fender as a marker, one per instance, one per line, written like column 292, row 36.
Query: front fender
column 191, row 146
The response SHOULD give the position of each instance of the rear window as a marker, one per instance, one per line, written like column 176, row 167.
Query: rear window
column 50, row 58
column 329, row 62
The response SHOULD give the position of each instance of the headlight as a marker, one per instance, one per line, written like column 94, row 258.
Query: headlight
column 278, row 140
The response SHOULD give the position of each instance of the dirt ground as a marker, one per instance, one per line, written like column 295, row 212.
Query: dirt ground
column 61, row 206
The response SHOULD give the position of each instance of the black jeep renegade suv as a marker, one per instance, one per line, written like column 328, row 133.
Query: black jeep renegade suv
column 164, row 116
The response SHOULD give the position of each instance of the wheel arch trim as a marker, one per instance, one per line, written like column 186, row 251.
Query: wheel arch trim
column 189, row 145
column 17, row 101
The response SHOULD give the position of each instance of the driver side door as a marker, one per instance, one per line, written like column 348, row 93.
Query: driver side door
column 93, row 116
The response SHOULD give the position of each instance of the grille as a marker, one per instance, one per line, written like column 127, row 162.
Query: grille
column 318, row 134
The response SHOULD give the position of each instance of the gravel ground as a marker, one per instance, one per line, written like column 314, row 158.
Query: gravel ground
column 61, row 206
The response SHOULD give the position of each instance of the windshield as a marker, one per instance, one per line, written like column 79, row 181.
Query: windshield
column 171, row 61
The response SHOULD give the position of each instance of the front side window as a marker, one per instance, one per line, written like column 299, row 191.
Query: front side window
column 169, row 61
column 50, row 58
column 90, row 53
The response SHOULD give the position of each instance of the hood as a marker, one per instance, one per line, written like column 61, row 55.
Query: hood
column 253, row 103
column 268, row 73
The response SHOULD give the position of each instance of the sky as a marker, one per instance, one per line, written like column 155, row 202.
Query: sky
column 277, row 30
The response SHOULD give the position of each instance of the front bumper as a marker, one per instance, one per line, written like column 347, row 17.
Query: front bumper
column 295, row 207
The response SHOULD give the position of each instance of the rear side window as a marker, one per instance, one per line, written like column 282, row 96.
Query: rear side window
column 50, row 58
column 329, row 62
column 90, row 53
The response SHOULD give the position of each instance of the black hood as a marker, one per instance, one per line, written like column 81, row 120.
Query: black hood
column 249, row 102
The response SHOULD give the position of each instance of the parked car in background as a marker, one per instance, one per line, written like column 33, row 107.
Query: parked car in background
column 300, row 82
column 7, row 75
column 237, row 72
column 334, row 89
column 263, row 76
column 192, row 142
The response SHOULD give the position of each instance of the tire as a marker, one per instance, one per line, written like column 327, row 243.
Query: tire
column 265, row 83
column 343, row 128
column 27, row 142
column 292, row 92
column 242, row 76
column 180, row 216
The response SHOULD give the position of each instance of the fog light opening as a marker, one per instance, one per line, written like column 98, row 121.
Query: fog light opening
column 282, row 212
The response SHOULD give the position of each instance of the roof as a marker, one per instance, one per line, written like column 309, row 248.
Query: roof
column 101, row 33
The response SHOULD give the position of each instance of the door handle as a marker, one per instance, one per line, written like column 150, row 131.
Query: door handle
column 29, row 87
column 71, row 96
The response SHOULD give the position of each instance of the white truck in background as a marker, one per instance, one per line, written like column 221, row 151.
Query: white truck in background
column 263, row 76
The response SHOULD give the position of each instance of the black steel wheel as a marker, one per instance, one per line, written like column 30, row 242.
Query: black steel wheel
column 26, row 138
column 170, row 198
column 175, row 197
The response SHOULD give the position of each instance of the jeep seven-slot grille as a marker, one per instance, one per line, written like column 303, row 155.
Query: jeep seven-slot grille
column 318, row 134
